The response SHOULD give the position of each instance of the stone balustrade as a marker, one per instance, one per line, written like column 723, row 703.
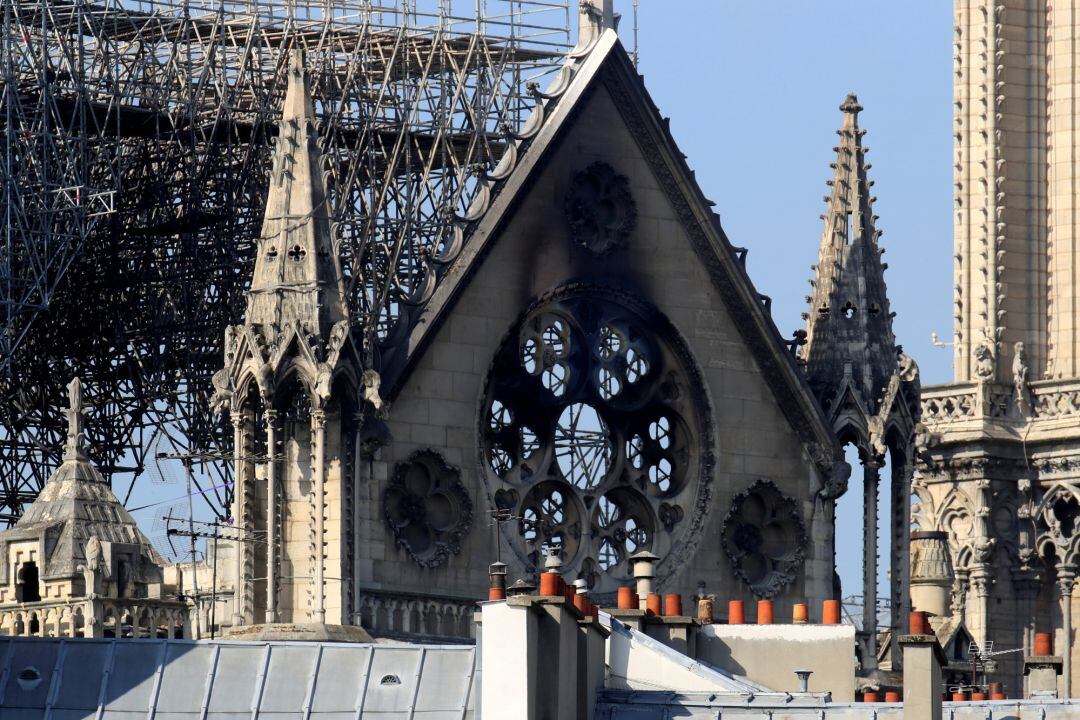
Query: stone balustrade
column 948, row 403
column 416, row 617
column 98, row 617
column 1048, row 400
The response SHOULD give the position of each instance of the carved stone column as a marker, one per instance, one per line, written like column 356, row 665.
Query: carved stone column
column 959, row 593
column 318, row 431
column 1066, row 580
column 240, row 519
column 358, row 482
column 901, row 488
column 272, row 538
column 982, row 570
column 871, row 478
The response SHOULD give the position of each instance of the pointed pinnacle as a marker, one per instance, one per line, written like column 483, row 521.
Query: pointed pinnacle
column 851, row 104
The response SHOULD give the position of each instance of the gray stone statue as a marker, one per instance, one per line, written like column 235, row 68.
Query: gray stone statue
column 1020, row 371
column 92, row 570
column 370, row 392
column 984, row 361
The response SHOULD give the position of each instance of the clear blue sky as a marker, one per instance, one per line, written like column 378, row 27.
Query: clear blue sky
column 753, row 88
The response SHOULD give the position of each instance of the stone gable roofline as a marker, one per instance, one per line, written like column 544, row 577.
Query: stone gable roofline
column 607, row 63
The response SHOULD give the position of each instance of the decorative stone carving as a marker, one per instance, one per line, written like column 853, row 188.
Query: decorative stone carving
column 371, row 394
column 837, row 482
column 984, row 361
column 595, row 432
column 600, row 209
column 764, row 536
column 1020, row 372
column 428, row 508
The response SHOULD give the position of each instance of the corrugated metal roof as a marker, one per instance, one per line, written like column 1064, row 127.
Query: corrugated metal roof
column 63, row 679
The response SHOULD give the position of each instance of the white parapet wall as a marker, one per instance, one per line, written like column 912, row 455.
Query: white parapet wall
column 638, row 662
column 769, row 655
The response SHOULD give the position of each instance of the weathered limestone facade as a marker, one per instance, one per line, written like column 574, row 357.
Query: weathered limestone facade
column 77, row 565
column 999, row 464
column 584, row 363
column 587, row 365
column 721, row 469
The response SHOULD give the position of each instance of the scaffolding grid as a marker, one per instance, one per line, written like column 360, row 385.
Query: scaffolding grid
column 137, row 138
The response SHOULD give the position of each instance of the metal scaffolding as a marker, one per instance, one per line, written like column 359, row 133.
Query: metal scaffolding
column 137, row 138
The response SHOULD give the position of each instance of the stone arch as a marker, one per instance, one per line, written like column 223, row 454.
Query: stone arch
column 366, row 613
column 956, row 517
column 1057, row 519
column 413, row 617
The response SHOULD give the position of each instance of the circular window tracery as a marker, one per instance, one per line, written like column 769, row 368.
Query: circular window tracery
column 582, row 446
column 595, row 433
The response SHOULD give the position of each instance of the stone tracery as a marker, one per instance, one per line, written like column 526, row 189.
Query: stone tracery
column 428, row 508
column 764, row 536
column 592, row 430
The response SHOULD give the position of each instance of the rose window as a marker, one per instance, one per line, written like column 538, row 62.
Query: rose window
column 592, row 430
column 764, row 537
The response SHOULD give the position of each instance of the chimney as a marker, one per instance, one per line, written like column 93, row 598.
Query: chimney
column 540, row 658
column 643, row 565
column 497, row 575
column 923, row 660
column 1042, row 668
column 521, row 587
column 804, row 680
column 931, row 572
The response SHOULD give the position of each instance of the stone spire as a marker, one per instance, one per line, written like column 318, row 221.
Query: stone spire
column 849, row 326
column 297, row 272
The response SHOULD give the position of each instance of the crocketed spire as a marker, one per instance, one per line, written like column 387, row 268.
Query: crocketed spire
column 297, row 272
column 849, row 326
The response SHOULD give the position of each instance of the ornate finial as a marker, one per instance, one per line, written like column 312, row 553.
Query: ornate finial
column 74, row 449
column 851, row 104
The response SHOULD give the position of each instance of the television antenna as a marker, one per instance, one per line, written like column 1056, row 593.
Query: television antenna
column 982, row 658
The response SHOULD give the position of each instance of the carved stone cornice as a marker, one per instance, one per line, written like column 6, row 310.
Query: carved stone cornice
column 969, row 468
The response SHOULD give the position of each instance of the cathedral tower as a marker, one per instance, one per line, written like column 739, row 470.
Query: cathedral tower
column 290, row 382
column 1000, row 467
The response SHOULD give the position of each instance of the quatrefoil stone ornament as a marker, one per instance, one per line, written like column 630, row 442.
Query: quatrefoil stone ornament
column 764, row 537
column 600, row 209
column 427, row 508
